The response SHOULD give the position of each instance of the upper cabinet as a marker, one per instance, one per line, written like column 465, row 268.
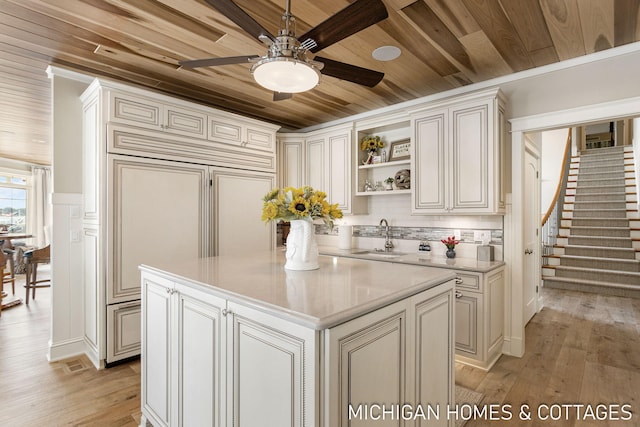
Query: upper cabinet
column 153, row 125
column 458, row 161
column 323, row 160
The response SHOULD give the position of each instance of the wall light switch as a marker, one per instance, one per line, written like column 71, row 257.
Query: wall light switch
column 75, row 236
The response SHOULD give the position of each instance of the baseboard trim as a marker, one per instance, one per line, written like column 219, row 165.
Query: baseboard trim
column 65, row 349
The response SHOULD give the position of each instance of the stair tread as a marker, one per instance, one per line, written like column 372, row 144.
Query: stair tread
column 595, row 270
column 578, row 257
column 591, row 282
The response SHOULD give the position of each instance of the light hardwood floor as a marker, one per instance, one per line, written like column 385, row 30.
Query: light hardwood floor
column 581, row 348
column 34, row 392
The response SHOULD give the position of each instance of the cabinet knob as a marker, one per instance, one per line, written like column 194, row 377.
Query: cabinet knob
column 458, row 280
column 226, row 312
column 458, row 294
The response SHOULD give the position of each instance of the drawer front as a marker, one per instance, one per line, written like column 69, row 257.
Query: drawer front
column 224, row 132
column 186, row 122
column 468, row 281
column 123, row 331
column 135, row 111
column 261, row 140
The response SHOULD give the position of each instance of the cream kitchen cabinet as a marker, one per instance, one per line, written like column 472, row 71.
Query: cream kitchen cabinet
column 233, row 355
column 184, row 335
column 330, row 168
column 291, row 160
column 242, row 133
column 150, row 195
column 212, row 362
column 323, row 160
column 479, row 331
column 457, row 158
column 154, row 114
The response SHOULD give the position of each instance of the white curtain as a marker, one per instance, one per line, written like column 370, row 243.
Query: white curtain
column 40, row 214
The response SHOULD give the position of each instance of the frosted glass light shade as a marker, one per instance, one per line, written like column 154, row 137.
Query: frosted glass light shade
column 285, row 75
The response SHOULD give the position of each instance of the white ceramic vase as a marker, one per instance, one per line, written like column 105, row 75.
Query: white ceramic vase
column 302, row 249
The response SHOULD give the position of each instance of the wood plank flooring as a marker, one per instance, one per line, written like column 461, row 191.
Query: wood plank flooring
column 34, row 392
column 581, row 348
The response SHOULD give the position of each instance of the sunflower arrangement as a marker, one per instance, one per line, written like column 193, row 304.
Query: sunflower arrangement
column 371, row 144
column 304, row 203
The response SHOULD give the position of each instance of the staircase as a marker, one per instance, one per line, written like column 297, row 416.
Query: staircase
column 598, row 243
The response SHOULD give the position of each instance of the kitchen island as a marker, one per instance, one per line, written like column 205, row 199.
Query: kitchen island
column 240, row 341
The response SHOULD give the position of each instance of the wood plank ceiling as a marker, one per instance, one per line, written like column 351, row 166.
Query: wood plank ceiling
column 445, row 44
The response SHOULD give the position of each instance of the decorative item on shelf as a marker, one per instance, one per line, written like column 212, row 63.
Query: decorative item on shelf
column 368, row 186
column 371, row 144
column 388, row 183
column 379, row 186
column 450, row 242
column 403, row 179
column 400, row 150
column 300, row 206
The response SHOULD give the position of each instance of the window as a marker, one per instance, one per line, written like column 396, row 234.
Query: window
column 13, row 203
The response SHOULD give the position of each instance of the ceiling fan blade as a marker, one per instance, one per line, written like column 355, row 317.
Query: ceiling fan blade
column 281, row 96
column 356, row 17
column 241, row 18
column 211, row 62
column 352, row 73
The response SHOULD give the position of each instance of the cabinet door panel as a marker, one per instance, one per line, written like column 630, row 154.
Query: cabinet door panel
column 259, row 139
column 470, row 188
column 201, row 359
column 156, row 351
column 466, row 323
column 237, row 205
column 368, row 360
column 428, row 162
column 158, row 215
column 434, row 355
column 339, row 173
column 316, row 165
column 292, row 164
column 273, row 396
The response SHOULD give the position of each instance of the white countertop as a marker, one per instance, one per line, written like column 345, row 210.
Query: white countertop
column 340, row 290
column 458, row 263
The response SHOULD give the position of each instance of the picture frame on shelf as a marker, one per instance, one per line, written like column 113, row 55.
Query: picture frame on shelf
column 400, row 150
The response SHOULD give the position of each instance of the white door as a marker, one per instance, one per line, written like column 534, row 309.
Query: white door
column 531, row 264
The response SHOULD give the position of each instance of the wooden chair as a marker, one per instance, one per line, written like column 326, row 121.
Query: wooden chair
column 3, row 263
column 32, row 259
column 9, row 275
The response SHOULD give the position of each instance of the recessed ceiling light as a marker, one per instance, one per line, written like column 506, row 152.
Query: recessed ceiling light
column 386, row 53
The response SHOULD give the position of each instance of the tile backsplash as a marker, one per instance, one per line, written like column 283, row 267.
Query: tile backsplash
column 414, row 233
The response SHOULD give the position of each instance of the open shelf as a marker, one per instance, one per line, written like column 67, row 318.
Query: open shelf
column 386, row 164
column 383, row 193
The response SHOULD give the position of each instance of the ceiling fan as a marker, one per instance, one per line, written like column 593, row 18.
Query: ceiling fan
column 285, row 68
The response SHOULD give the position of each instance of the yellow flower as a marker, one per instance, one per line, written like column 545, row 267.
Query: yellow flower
column 299, row 207
column 269, row 212
column 334, row 212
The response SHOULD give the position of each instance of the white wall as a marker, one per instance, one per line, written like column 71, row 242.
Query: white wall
column 67, row 330
column 553, row 146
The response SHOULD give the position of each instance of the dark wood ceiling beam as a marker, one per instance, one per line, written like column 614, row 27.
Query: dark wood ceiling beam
column 626, row 20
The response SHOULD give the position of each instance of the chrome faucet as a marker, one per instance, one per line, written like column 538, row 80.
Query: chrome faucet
column 388, row 244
